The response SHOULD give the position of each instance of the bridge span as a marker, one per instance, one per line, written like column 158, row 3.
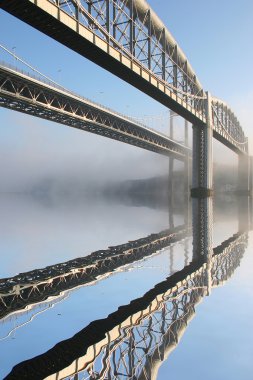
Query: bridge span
column 127, row 38
column 21, row 92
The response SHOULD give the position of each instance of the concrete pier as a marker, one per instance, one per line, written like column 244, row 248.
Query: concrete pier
column 202, row 160
column 202, row 231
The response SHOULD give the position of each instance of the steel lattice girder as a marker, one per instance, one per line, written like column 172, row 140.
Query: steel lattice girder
column 127, row 38
column 22, row 93
column 227, row 127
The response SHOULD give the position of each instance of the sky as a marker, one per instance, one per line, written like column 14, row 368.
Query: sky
column 216, row 37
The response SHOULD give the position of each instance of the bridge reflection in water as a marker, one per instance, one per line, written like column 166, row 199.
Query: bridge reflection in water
column 37, row 285
column 134, row 340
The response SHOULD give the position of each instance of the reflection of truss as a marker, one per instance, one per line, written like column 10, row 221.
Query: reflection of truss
column 37, row 285
column 133, row 341
column 137, row 350
column 14, row 322
column 227, row 258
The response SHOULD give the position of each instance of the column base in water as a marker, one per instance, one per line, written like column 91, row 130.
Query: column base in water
column 201, row 192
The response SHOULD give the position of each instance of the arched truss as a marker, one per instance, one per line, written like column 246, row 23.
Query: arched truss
column 127, row 38
column 134, row 29
column 124, row 36
column 227, row 126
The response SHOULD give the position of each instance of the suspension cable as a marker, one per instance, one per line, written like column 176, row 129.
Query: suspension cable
column 30, row 66
column 58, row 85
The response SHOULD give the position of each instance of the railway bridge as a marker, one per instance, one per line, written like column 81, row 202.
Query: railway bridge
column 128, row 38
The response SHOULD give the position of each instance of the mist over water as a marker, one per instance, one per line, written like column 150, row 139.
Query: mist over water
column 61, row 209
column 42, row 231
column 38, row 153
column 39, row 230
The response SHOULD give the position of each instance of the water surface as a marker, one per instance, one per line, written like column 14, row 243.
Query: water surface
column 180, row 311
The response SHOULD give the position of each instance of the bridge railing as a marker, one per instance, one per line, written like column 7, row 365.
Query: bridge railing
column 127, row 38
column 12, row 79
column 50, row 82
column 53, row 84
column 134, row 30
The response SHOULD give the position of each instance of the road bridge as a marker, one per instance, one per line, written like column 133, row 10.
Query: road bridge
column 21, row 92
column 127, row 38
column 134, row 340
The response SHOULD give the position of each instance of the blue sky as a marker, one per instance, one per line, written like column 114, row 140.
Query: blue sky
column 216, row 37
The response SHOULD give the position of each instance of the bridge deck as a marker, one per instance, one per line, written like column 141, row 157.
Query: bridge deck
column 89, row 38
column 128, row 39
column 23, row 93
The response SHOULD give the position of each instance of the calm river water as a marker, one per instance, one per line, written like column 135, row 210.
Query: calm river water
column 174, row 303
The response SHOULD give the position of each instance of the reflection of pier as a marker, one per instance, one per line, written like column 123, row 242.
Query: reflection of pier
column 134, row 340
column 37, row 285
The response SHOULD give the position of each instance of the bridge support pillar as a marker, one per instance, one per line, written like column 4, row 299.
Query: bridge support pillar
column 202, row 224
column 244, row 186
column 171, row 159
column 202, row 159
column 187, row 161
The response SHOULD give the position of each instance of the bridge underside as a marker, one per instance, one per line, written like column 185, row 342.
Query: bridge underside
column 230, row 145
column 25, row 94
column 159, row 69
column 88, row 126
column 33, row 15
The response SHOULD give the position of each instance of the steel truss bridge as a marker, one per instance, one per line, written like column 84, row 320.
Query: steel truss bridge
column 22, row 93
column 127, row 38
column 133, row 341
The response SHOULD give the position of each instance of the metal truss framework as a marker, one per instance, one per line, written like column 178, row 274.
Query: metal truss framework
column 124, row 36
column 133, row 341
column 226, row 125
column 201, row 164
column 20, row 92
column 37, row 285
column 127, row 38
column 25, row 94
